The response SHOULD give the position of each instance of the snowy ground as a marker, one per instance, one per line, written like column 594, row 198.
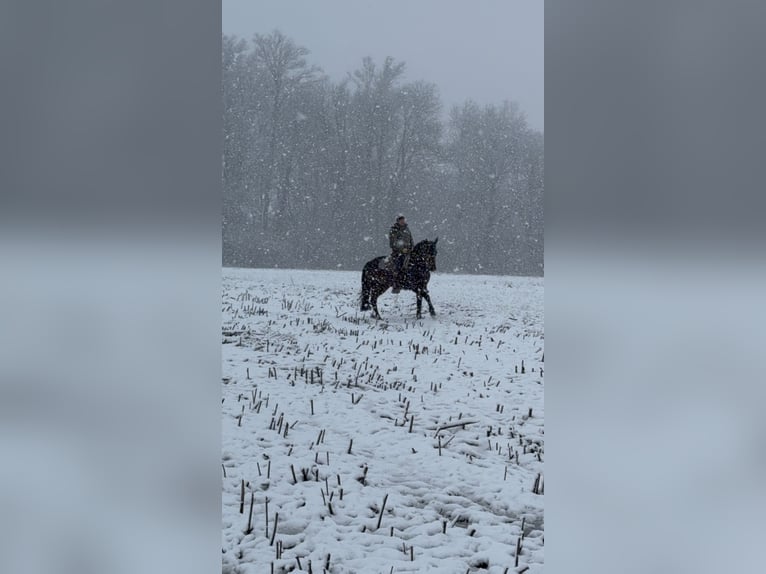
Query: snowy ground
column 383, row 446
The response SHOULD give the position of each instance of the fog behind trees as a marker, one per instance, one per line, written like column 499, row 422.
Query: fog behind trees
column 315, row 171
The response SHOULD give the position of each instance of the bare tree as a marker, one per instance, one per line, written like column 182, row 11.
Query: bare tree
column 285, row 73
column 418, row 138
column 488, row 148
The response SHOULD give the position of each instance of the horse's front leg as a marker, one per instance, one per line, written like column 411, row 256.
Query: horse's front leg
column 431, row 309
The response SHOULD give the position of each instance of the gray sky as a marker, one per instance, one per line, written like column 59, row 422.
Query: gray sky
column 486, row 50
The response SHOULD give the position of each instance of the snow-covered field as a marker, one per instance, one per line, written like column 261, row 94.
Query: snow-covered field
column 352, row 445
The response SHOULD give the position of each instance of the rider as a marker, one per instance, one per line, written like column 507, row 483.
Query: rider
column 400, row 240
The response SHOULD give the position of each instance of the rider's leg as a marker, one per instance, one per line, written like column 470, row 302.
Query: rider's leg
column 397, row 273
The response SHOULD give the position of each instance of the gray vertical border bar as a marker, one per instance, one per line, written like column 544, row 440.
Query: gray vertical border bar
column 654, row 264
column 110, row 134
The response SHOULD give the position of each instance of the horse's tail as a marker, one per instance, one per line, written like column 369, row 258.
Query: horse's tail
column 364, row 298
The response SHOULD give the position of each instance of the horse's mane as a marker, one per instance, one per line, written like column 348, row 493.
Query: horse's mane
column 421, row 244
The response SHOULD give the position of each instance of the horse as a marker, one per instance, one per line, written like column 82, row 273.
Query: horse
column 377, row 277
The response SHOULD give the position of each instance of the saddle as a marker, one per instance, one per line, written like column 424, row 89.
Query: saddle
column 387, row 263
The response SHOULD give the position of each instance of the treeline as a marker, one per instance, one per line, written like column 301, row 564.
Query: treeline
column 315, row 171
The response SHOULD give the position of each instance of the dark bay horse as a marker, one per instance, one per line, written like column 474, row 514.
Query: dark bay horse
column 377, row 277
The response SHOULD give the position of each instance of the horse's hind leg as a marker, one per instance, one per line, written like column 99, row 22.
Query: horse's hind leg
column 374, row 301
column 364, row 297
column 419, row 302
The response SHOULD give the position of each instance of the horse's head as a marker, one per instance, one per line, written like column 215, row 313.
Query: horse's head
column 426, row 252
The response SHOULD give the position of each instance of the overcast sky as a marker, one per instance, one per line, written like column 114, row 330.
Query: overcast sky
column 485, row 50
